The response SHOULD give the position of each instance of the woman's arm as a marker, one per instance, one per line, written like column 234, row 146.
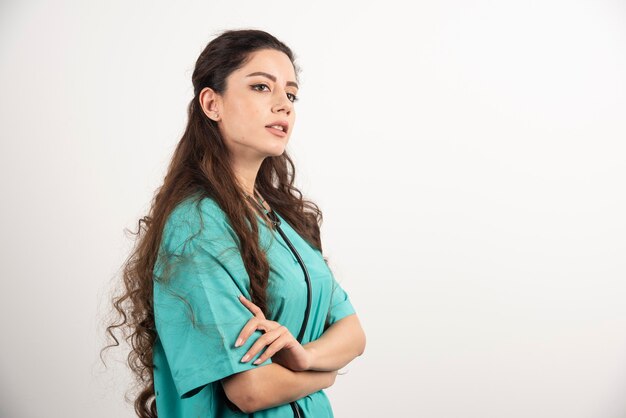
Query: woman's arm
column 339, row 345
column 272, row 385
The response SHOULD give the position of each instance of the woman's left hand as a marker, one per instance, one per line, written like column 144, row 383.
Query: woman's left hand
column 283, row 348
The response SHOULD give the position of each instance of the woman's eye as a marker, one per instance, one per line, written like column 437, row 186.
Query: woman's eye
column 259, row 87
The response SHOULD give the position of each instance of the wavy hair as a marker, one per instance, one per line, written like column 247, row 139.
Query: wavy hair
column 200, row 165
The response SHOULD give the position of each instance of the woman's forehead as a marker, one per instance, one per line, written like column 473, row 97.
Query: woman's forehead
column 269, row 62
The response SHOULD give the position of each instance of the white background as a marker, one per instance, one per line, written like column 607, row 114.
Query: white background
column 468, row 156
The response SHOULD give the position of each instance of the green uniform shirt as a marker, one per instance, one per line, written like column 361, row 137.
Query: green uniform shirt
column 208, row 275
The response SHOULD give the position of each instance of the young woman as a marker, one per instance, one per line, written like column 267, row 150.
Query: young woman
column 231, row 306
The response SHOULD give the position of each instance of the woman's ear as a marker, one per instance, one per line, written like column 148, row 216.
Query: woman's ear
column 210, row 103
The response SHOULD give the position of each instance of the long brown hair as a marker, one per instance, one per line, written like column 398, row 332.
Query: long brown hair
column 200, row 164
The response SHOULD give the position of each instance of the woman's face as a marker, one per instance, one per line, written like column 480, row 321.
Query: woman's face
column 257, row 95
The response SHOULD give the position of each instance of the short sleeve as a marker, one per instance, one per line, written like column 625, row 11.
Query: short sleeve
column 340, row 305
column 199, row 275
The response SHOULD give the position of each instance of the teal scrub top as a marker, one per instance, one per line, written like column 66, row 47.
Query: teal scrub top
column 207, row 274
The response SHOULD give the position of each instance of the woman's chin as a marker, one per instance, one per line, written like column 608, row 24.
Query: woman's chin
column 276, row 151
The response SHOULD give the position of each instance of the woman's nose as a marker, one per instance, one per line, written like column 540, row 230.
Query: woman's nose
column 283, row 103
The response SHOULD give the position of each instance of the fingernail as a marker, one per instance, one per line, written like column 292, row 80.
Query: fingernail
column 245, row 358
column 257, row 361
column 239, row 342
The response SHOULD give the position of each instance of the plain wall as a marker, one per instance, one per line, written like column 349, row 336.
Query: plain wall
column 468, row 156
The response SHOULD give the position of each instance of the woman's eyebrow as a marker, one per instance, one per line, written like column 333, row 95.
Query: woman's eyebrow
column 271, row 77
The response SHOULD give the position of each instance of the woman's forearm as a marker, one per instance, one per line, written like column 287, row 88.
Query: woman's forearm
column 273, row 384
column 338, row 346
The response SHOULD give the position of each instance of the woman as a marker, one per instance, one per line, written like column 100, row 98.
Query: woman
column 230, row 261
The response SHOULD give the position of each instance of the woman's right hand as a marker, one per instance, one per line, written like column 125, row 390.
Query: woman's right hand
column 282, row 346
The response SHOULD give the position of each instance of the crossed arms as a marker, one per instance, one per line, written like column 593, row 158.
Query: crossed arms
column 272, row 385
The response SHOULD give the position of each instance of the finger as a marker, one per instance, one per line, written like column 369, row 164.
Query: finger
column 267, row 339
column 252, row 325
column 252, row 307
column 247, row 330
column 277, row 345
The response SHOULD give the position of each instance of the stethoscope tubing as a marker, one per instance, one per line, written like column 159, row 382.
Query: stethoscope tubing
column 276, row 222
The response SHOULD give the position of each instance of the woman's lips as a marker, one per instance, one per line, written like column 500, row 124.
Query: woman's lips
column 276, row 132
